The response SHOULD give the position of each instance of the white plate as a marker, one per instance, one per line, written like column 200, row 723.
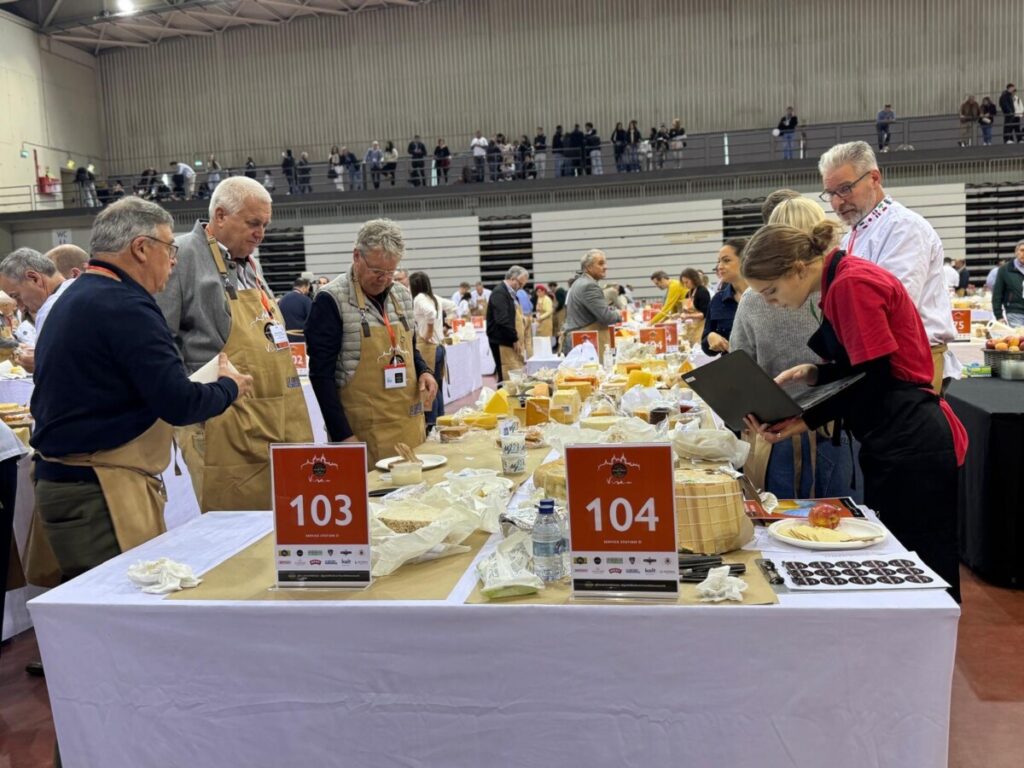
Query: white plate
column 430, row 461
column 848, row 525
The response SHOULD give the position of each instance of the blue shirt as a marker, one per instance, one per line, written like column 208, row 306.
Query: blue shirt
column 720, row 315
column 524, row 301
column 294, row 308
column 106, row 370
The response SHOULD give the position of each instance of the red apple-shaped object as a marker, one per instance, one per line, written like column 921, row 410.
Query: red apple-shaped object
column 824, row 516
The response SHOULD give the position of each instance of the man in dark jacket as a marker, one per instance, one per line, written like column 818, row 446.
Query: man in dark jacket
column 1008, row 291
column 787, row 129
column 592, row 157
column 294, row 307
column 417, row 151
column 1011, row 122
column 576, row 143
column 557, row 149
column 503, row 323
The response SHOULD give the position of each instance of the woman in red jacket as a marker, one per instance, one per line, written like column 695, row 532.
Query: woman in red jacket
column 911, row 443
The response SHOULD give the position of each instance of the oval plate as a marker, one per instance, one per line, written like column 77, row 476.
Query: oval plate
column 430, row 461
column 850, row 526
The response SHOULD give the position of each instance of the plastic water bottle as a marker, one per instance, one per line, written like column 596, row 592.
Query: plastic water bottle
column 548, row 543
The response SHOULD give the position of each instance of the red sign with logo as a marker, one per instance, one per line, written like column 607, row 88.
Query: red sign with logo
column 578, row 337
column 622, row 520
column 321, row 525
column 671, row 334
column 962, row 323
column 654, row 336
column 299, row 357
column 648, row 314
column 478, row 322
column 457, row 323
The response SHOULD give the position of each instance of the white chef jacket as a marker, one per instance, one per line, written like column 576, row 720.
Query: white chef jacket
column 951, row 276
column 903, row 242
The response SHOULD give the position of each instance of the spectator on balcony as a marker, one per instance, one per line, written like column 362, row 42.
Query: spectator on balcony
column 494, row 157
column 188, row 175
column 336, row 169
column 85, row 181
column 883, row 123
column 787, row 129
column 1008, row 101
column 213, row 173
column 117, row 191
column 577, row 144
column 592, row 160
column 524, row 159
column 986, row 120
column 351, row 165
column 633, row 139
column 250, row 168
column 478, row 146
column 149, row 180
column 288, row 168
column 619, row 142
column 442, row 161
column 508, row 159
column 417, row 153
column 374, row 163
column 303, row 174
column 268, row 182
column 390, row 162
column 558, row 150
column 659, row 146
column 970, row 112
column 540, row 153
column 677, row 142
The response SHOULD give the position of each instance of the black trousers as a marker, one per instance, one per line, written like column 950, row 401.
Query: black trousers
column 8, row 495
column 496, row 354
column 911, row 478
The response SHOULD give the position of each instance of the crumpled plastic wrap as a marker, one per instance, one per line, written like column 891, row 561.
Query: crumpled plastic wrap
column 710, row 445
column 466, row 333
column 484, row 490
column 635, row 430
column 629, row 349
column 162, row 576
column 506, row 571
column 486, row 393
column 719, row 586
column 580, row 355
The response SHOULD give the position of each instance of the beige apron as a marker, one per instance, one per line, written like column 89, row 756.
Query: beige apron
column 939, row 366
column 383, row 417
column 235, row 468
column 756, row 467
column 512, row 360
column 428, row 351
column 130, row 479
column 603, row 337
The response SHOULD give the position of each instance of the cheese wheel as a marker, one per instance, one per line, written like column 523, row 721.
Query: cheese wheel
column 550, row 478
column 599, row 422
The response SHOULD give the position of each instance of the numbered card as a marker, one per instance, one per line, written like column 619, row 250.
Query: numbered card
column 962, row 323
column 457, row 323
column 478, row 322
column 299, row 357
column 671, row 335
column 321, row 525
column 578, row 337
column 622, row 521
column 655, row 336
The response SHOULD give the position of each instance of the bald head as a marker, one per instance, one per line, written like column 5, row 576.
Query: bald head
column 70, row 260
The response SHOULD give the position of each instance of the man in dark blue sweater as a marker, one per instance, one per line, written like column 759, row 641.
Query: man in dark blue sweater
column 294, row 307
column 105, row 398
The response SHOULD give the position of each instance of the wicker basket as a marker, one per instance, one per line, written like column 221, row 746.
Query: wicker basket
column 993, row 357
column 709, row 512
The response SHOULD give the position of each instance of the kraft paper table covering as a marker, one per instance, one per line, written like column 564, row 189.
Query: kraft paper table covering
column 477, row 450
column 249, row 575
column 758, row 591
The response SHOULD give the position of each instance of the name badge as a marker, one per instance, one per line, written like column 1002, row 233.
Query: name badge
column 395, row 376
column 278, row 336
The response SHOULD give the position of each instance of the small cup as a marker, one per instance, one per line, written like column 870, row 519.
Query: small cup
column 659, row 414
column 513, row 444
column 406, row 472
column 514, row 464
column 508, row 427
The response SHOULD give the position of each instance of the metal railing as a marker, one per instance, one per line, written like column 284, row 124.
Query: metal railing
column 694, row 152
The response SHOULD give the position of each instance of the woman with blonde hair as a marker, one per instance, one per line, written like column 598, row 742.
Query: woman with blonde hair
column 821, row 463
column 911, row 442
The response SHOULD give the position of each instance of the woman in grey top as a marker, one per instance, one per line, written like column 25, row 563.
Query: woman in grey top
column 777, row 340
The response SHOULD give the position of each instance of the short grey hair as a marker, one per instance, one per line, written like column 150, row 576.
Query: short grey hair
column 121, row 222
column 381, row 235
column 515, row 271
column 856, row 153
column 20, row 261
column 233, row 193
column 589, row 256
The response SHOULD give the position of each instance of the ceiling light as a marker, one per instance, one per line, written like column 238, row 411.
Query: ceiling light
column 125, row 6
column 24, row 153
column 70, row 164
column 90, row 168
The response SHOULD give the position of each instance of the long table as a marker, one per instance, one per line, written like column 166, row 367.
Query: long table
column 844, row 680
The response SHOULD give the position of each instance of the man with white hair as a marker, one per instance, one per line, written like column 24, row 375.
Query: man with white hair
column 372, row 384
column 894, row 237
column 506, row 324
column 586, row 308
column 218, row 301
column 33, row 281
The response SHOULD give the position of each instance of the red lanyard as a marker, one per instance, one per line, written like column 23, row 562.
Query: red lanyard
column 92, row 269
column 383, row 309
column 259, row 284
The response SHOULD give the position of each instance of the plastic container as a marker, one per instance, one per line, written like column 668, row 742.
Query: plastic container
column 406, row 472
column 548, row 543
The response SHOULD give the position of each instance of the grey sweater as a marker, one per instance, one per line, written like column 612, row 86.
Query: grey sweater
column 586, row 304
column 776, row 338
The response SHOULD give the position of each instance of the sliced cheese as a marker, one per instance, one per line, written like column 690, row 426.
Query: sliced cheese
column 537, row 410
column 481, row 420
column 565, row 406
column 540, row 389
column 585, row 388
column 641, row 378
column 599, row 422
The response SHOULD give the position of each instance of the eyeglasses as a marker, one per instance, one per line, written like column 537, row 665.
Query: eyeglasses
column 380, row 274
column 172, row 249
column 843, row 190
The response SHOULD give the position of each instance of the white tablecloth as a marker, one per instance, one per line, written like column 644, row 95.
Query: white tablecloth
column 843, row 680
column 464, row 368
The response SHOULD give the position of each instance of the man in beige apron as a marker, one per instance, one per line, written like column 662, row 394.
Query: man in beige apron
column 217, row 301
column 370, row 380
column 507, row 326
column 104, row 402
column 586, row 308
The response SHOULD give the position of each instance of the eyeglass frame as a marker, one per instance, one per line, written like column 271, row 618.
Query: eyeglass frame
column 378, row 273
column 172, row 248
column 827, row 195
